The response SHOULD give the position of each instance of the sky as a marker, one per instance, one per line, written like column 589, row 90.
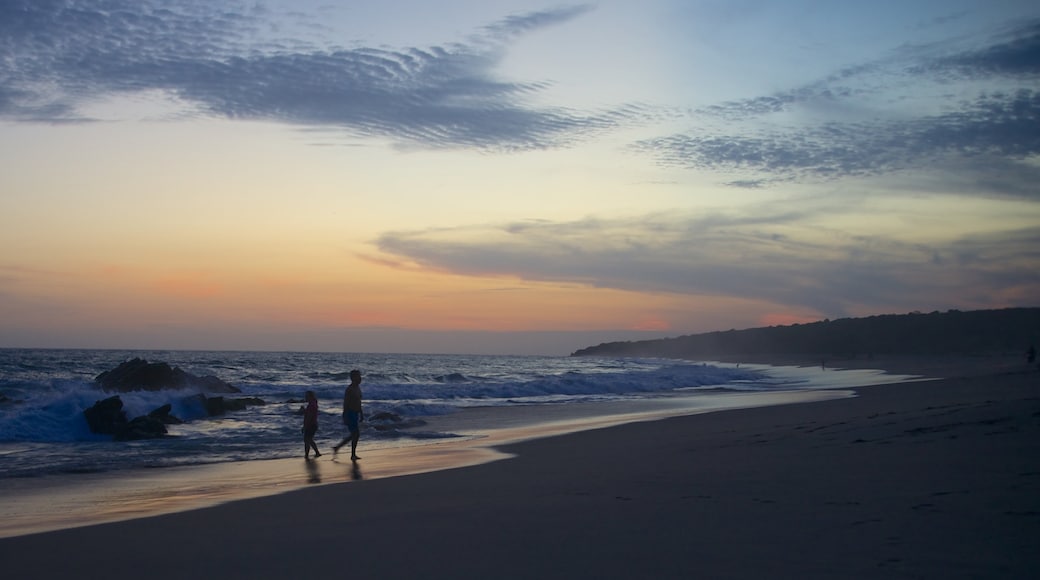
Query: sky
column 507, row 177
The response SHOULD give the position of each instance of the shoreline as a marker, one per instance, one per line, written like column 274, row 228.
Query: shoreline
column 925, row 479
column 932, row 366
column 55, row 502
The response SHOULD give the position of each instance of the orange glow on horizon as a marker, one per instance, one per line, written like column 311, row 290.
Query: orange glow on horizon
column 191, row 285
column 652, row 324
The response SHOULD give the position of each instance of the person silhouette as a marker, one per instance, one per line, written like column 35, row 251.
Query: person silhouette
column 310, row 426
column 353, row 415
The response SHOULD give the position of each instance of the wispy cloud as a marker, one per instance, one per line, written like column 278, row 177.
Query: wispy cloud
column 770, row 256
column 863, row 120
column 1004, row 125
column 61, row 56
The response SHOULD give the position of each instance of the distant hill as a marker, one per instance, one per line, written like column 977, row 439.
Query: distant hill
column 1007, row 331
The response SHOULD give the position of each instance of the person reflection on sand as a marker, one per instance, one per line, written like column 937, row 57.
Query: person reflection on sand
column 355, row 469
column 313, row 472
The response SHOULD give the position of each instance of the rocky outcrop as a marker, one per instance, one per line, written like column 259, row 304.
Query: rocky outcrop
column 163, row 414
column 143, row 427
column 391, row 422
column 107, row 417
column 216, row 406
column 140, row 375
column 386, row 417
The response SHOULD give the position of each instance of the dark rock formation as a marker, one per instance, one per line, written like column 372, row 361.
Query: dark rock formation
column 143, row 427
column 392, row 422
column 107, row 417
column 163, row 414
column 386, row 416
column 216, row 406
column 141, row 375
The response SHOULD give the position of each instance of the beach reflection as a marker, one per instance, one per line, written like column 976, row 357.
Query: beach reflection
column 57, row 502
column 313, row 471
column 355, row 469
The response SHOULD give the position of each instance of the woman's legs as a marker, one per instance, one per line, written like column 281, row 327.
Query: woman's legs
column 308, row 444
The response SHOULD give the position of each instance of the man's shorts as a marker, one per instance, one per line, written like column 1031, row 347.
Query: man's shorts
column 350, row 419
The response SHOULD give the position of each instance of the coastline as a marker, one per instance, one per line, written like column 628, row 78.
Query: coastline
column 930, row 479
column 55, row 502
column 933, row 366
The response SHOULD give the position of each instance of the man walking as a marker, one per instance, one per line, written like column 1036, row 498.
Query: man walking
column 353, row 414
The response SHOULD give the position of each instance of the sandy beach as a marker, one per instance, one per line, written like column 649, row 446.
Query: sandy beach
column 933, row 479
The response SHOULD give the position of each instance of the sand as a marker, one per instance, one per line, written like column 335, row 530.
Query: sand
column 935, row 479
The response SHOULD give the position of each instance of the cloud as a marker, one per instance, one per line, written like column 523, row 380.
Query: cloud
column 918, row 108
column 1000, row 124
column 771, row 256
column 62, row 56
column 522, row 23
column 1015, row 54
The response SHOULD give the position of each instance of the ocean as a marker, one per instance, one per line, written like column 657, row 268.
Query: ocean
column 410, row 399
column 425, row 412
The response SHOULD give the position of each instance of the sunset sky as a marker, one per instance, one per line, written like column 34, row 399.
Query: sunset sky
column 513, row 177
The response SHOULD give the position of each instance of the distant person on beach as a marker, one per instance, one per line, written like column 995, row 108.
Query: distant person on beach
column 353, row 414
column 310, row 426
column 1031, row 354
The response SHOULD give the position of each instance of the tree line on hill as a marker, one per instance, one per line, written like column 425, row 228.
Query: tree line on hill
column 1010, row 330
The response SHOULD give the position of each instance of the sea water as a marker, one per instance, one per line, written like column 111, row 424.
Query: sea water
column 425, row 412
column 43, row 394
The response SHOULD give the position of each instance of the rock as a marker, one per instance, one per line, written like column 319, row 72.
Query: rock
column 106, row 416
column 386, row 416
column 163, row 414
column 211, row 384
column 388, row 422
column 140, row 375
column 143, row 427
column 219, row 405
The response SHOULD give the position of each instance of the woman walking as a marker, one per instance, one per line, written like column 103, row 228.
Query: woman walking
column 310, row 426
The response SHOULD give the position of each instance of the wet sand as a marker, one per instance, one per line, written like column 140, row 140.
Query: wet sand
column 40, row 504
column 934, row 479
